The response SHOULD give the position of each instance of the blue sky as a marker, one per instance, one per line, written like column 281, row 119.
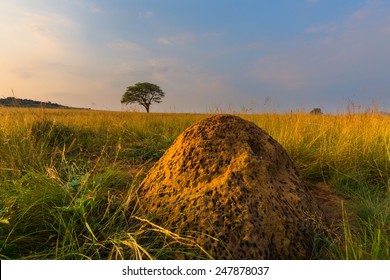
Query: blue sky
column 206, row 55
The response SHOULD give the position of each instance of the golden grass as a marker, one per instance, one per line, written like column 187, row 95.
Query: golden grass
column 44, row 150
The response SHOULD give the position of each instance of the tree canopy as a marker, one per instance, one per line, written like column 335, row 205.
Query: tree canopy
column 144, row 94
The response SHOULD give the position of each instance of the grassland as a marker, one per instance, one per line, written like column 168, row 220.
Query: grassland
column 68, row 180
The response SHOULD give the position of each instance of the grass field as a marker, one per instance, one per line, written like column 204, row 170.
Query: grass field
column 68, row 180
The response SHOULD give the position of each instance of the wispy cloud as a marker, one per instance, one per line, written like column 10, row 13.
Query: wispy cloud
column 368, row 14
column 90, row 7
column 361, row 14
column 280, row 70
column 147, row 14
column 179, row 39
column 95, row 9
column 212, row 35
column 350, row 52
column 46, row 34
column 327, row 27
column 124, row 45
column 81, row 50
column 25, row 73
column 189, row 86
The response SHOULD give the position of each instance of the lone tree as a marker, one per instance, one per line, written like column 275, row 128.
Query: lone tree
column 144, row 94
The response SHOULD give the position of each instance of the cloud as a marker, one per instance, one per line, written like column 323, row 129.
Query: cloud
column 95, row 9
column 47, row 54
column 211, row 35
column 147, row 14
column 89, row 7
column 124, row 46
column 361, row 18
column 37, row 36
column 44, row 51
column 327, row 27
column 162, row 69
column 188, row 38
column 25, row 73
column 179, row 39
column 189, row 86
column 281, row 70
column 346, row 57
column 361, row 14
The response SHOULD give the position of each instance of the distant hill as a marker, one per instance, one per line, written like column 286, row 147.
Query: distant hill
column 28, row 103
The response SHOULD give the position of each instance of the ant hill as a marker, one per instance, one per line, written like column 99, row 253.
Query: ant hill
column 231, row 187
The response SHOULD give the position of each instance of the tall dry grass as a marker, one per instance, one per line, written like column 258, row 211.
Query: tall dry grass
column 67, row 179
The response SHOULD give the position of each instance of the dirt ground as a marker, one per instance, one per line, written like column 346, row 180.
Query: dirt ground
column 331, row 205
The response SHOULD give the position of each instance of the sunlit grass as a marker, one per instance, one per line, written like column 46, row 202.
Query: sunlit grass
column 68, row 180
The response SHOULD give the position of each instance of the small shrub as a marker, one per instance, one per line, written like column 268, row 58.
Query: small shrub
column 316, row 111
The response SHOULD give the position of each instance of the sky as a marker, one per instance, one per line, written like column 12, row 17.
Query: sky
column 207, row 56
